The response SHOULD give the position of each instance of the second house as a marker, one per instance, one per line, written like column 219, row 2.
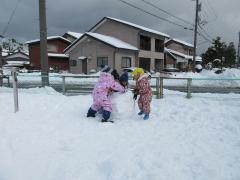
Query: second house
column 119, row 44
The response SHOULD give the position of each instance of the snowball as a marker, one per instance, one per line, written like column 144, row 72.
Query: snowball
column 123, row 105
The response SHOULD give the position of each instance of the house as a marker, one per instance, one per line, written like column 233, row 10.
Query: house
column 72, row 36
column 118, row 44
column 95, row 49
column 179, row 54
column 17, row 59
column 56, row 58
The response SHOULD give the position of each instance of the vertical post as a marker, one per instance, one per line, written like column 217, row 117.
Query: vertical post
column 195, row 35
column 158, row 87
column 43, row 43
column 63, row 85
column 222, row 61
column 8, row 80
column 238, row 53
column 15, row 89
column 189, row 83
column 161, row 87
column 1, row 63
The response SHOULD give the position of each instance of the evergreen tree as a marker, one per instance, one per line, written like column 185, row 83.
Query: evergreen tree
column 218, row 50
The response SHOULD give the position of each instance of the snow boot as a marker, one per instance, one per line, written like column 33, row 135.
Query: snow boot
column 103, row 121
column 140, row 113
column 106, row 116
column 91, row 113
column 146, row 117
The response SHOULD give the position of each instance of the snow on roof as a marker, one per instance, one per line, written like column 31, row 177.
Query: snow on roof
column 74, row 34
column 112, row 41
column 198, row 58
column 140, row 27
column 18, row 62
column 4, row 54
column 179, row 41
column 183, row 42
column 48, row 38
column 57, row 55
column 82, row 57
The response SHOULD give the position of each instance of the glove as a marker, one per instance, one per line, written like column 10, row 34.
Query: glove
column 135, row 91
column 135, row 96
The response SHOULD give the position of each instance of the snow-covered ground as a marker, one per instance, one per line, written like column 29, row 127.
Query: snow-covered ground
column 50, row 138
column 205, row 79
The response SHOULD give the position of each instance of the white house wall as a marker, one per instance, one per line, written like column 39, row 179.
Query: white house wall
column 122, row 53
column 91, row 49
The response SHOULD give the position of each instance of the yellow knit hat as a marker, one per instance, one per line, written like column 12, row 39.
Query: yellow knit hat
column 137, row 71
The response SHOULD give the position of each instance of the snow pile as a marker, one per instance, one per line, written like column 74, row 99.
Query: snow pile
column 205, row 78
column 123, row 106
column 51, row 138
column 234, row 73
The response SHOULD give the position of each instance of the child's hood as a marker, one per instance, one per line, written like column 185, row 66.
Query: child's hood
column 105, row 77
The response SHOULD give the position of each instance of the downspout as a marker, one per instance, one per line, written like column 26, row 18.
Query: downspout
column 114, row 58
column 136, row 59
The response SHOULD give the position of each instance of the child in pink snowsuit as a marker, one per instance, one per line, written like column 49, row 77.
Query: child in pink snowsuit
column 143, row 89
column 105, row 84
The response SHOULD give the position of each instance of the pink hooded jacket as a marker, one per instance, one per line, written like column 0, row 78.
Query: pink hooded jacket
column 105, row 84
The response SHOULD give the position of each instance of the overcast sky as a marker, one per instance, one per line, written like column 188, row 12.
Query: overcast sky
column 223, row 17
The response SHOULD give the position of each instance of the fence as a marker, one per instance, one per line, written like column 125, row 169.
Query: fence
column 158, row 87
column 84, row 84
column 59, row 83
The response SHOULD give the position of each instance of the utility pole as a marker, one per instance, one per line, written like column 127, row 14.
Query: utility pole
column 195, row 35
column 1, row 59
column 43, row 43
column 238, row 55
column 1, row 64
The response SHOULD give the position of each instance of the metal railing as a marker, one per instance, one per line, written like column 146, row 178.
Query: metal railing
column 64, row 84
column 159, row 86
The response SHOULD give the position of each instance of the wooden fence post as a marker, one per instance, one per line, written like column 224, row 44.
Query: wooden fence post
column 15, row 89
column 158, row 87
column 189, row 83
column 63, row 85
column 161, row 87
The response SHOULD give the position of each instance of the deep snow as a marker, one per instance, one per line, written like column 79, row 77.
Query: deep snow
column 185, row 139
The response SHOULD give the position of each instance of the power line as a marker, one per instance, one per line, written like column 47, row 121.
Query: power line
column 10, row 19
column 183, row 20
column 212, row 9
column 203, row 36
column 209, row 10
column 203, row 42
column 205, row 32
column 154, row 15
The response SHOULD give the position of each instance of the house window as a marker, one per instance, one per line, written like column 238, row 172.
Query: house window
column 126, row 62
column 102, row 61
column 159, row 45
column 73, row 62
column 51, row 48
column 190, row 52
column 145, row 43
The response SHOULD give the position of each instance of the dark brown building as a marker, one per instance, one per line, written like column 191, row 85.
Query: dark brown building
column 55, row 47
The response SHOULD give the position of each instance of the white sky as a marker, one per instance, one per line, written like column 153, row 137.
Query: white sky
column 80, row 16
